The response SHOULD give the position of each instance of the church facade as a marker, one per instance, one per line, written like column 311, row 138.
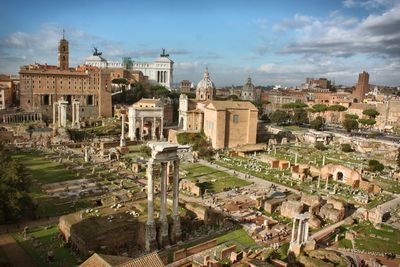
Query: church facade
column 226, row 124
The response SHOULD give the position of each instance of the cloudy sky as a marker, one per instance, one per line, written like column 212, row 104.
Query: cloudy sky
column 274, row 42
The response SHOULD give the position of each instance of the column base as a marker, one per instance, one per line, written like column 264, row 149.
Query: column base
column 122, row 142
column 163, row 238
column 176, row 232
column 150, row 237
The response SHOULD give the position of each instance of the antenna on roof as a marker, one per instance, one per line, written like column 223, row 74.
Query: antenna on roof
column 63, row 34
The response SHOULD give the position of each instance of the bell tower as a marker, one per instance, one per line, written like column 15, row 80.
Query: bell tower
column 63, row 54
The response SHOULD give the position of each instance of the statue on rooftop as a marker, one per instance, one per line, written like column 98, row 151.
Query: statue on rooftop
column 96, row 52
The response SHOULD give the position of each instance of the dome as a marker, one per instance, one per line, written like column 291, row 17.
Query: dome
column 248, row 86
column 206, row 82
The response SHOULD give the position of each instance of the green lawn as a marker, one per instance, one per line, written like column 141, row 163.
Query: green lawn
column 367, row 238
column 47, row 240
column 43, row 170
column 205, row 175
column 388, row 185
column 239, row 236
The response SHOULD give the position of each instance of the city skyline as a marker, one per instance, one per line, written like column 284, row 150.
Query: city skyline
column 274, row 43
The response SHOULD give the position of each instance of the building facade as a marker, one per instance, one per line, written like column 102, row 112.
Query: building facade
column 229, row 124
column 41, row 86
column 7, row 90
column 362, row 87
column 160, row 71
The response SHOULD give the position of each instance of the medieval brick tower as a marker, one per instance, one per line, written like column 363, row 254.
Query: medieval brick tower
column 362, row 86
column 63, row 54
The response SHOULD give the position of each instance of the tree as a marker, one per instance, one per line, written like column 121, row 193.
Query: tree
column 398, row 158
column 351, row 116
column 337, row 108
column 265, row 118
column 299, row 117
column 317, row 123
column 371, row 113
column 320, row 146
column 233, row 97
column 15, row 200
column 120, row 81
column 367, row 122
column 375, row 166
column 319, row 108
column 279, row 117
column 350, row 124
column 346, row 148
column 294, row 105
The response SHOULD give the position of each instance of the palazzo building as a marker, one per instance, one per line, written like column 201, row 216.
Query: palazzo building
column 160, row 71
column 43, row 85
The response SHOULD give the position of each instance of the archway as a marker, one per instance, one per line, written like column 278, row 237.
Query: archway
column 339, row 176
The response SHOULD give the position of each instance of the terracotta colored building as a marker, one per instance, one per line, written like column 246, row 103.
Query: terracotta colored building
column 230, row 123
column 43, row 85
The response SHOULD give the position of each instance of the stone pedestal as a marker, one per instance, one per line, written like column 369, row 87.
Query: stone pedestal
column 163, row 239
column 176, row 232
column 150, row 236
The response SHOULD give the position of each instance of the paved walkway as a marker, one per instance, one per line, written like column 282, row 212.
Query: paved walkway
column 15, row 254
column 252, row 179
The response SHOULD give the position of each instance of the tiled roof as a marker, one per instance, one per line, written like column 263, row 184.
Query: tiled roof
column 101, row 260
column 222, row 105
column 149, row 260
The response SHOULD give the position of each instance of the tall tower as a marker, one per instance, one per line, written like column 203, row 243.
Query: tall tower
column 362, row 86
column 63, row 54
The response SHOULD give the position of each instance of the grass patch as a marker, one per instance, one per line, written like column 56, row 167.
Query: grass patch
column 240, row 236
column 380, row 240
column 204, row 175
column 46, row 240
column 43, row 170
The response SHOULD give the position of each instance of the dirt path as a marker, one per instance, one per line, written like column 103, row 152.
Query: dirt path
column 15, row 254
column 18, row 227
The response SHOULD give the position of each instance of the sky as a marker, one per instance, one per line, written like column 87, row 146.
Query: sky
column 273, row 42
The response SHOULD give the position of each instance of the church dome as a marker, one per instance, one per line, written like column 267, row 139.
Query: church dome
column 206, row 82
column 248, row 86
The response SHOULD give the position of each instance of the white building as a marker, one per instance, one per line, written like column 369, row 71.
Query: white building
column 159, row 71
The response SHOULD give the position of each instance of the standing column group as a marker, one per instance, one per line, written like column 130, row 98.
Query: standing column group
column 161, row 237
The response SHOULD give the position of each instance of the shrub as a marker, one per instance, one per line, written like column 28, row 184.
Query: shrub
column 346, row 148
column 375, row 166
column 320, row 146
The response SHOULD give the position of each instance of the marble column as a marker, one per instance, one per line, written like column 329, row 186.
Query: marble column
column 141, row 127
column 132, row 124
column 122, row 142
column 176, row 232
column 295, row 159
column 293, row 229
column 163, row 236
column 162, row 128
column 63, row 111
column 59, row 116
column 153, row 129
column 150, row 228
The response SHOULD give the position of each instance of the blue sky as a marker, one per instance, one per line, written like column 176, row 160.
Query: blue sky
column 274, row 42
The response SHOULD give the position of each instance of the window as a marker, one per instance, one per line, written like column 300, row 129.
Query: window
column 235, row 118
column 90, row 100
